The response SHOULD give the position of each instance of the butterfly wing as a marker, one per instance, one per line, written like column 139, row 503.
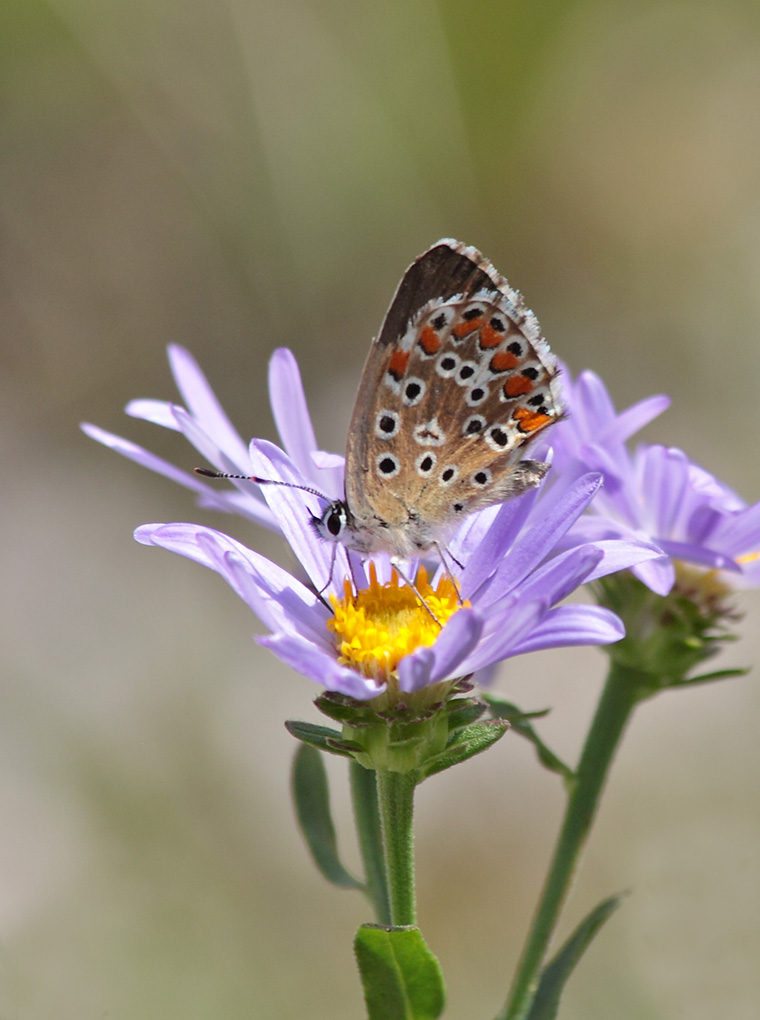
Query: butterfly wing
column 457, row 383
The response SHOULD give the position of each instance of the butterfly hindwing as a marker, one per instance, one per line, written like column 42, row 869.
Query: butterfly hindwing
column 457, row 383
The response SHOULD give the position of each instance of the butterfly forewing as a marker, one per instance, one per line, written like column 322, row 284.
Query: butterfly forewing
column 456, row 384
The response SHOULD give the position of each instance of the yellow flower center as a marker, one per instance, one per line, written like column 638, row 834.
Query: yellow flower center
column 377, row 627
column 708, row 589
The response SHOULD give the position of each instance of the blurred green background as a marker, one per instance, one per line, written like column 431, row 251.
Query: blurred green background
column 239, row 175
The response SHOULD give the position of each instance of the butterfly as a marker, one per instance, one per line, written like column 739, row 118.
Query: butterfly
column 457, row 383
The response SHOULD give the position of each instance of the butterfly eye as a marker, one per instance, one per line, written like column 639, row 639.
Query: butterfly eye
column 334, row 522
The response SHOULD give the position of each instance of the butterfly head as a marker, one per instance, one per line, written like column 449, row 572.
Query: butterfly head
column 372, row 534
column 334, row 523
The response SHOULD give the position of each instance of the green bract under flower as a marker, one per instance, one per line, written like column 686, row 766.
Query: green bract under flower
column 668, row 637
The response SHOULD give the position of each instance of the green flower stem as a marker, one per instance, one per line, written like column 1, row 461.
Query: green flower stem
column 623, row 689
column 368, row 828
column 396, row 795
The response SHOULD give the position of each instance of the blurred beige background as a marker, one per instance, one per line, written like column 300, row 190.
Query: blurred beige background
column 239, row 175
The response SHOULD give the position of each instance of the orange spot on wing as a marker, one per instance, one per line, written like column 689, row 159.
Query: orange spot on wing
column 397, row 364
column 530, row 421
column 489, row 337
column 429, row 340
column 502, row 361
column 464, row 328
column 517, row 386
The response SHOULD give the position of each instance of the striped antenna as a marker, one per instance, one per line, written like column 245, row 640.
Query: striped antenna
column 261, row 481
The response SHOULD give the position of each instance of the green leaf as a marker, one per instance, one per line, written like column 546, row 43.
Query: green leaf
column 706, row 678
column 519, row 720
column 312, row 800
column 364, row 798
column 463, row 712
column 465, row 743
column 321, row 737
column 340, row 708
column 402, row 979
column 554, row 976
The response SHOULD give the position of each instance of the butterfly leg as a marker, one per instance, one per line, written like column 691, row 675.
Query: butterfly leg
column 439, row 549
column 395, row 563
column 326, row 585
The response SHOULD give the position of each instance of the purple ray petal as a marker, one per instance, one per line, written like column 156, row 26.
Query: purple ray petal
column 325, row 563
column 705, row 523
column 658, row 574
column 572, row 625
column 504, row 630
column 291, row 414
column 440, row 661
column 329, row 469
column 206, row 444
column 203, row 404
column 592, row 397
column 634, row 418
column 318, row 666
column 665, row 480
column 562, row 574
column 415, row 670
column 699, row 554
column 469, row 535
column 485, row 677
column 282, row 602
column 257, row 511
column 537, row 542
column 740, row 531
column 495, row 540
column 457, row 640
column 159, row 412
column 621, row 555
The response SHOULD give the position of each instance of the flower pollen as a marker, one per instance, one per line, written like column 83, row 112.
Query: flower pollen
column 750, row 557
column 709, row 590
column 377, row 627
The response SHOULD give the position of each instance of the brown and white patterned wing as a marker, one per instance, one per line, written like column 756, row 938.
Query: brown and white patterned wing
column 456, row 384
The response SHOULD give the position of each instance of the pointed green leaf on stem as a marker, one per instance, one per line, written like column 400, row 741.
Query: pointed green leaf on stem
column 312, row 800
column 369, row 833
column 506, row 710
column 340, row 708
column 708, row 678
column 321, row 737
column 464, row 743
column 402, row 979
column 463, row 712
column 554, row 976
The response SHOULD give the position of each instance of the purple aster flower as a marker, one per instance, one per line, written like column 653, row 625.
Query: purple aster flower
column 655, row 494
column 352, row 626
